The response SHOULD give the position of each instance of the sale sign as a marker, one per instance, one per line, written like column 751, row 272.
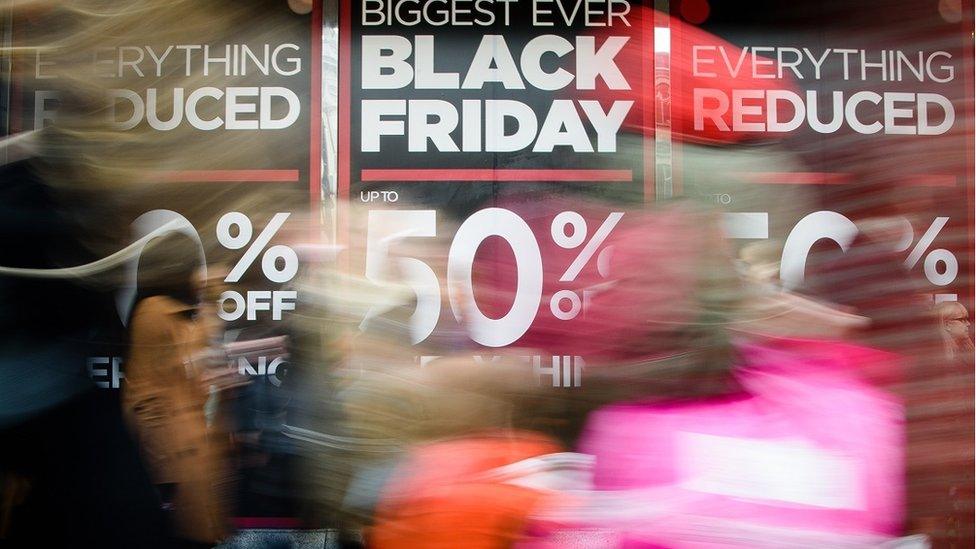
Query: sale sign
column 824, row 123
column 216, row 121
column 452, row 114
column 429, row 102
column 488, row 144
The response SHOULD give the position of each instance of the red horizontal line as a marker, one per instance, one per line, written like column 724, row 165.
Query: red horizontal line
column 543, row 175
column 930, row 180
column 202, row 176
column 841, row 178
column 797, row 178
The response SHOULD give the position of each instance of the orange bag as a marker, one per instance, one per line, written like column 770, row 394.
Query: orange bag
column 443, row 496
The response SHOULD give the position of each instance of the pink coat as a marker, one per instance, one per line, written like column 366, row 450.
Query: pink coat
column 809, row 455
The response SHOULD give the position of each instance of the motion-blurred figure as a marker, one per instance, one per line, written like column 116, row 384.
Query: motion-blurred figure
column 166, row 392
column 65, row 216
column 732, row 435
column 448, row 490
column 71, row 473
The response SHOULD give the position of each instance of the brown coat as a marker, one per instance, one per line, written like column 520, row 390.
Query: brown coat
column 164, row 401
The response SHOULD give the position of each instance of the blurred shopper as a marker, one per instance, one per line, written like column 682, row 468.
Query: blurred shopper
column 870, row 279
column 71, row 474
column 723, row 438
column 445, row 493
column 166, row 391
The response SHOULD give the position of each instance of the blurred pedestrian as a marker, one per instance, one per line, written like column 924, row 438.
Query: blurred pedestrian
column 166, row 393
column 70, row 474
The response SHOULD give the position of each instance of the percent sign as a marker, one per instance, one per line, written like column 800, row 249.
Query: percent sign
column 932, row 257
column 575, row 239
column 236, row 222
